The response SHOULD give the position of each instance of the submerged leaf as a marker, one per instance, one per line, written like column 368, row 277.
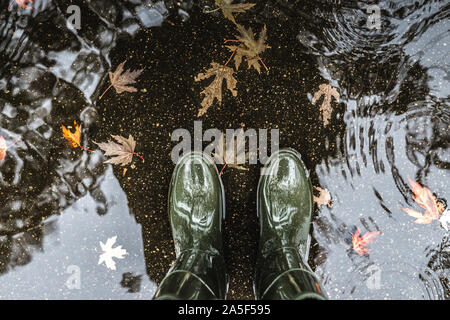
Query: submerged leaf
column 228, row 8
column 249, row 48
column 121, row 80
column 425, row 199
column 123, row 151
column 21, row 4
column 327, row 91
column 2, row 148
column 359, row 242
column 73, row 138
column 214, row 90
column 324, row 197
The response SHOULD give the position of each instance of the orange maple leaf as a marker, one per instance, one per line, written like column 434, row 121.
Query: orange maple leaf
column 424, row 198
column 2, row 148
column 359, row 242
column 21, row 4
column 73, row 138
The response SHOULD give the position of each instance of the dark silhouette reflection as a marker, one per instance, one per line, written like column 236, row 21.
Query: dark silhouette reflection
column 131, row 281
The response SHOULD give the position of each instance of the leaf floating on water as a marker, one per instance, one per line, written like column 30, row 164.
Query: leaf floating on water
column 250, row 48
column 214, row 90
column 2, row 148
column 325, row 108
column 123, row 151
column 73, row 138
column 21, row 4
column 425, row 199
column 228, row 8
column 121, row 80
column 324, row 197
column 359, row 242
column 109, row 253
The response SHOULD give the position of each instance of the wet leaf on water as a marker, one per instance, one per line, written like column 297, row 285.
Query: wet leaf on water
column 425, row 199
column 21, row 4
column 121, row 80
column 2, row 148
column 109, row 253
column 359, row 242
column 214, row 90
column 228, row 8
column 123, row 151
column 250, row 48
column 324, row 197
column 73, row 138
column 325, row 108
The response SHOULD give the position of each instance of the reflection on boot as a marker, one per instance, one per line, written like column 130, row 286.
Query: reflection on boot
column 196, row 275
column 283, row 275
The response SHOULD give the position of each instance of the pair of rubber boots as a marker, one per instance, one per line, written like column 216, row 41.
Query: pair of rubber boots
column 196, row 212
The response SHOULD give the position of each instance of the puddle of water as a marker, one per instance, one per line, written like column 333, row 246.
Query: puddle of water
column 64, row 264
column 391, row 123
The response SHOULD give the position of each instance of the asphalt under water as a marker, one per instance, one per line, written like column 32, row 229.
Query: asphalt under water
column 391, row 123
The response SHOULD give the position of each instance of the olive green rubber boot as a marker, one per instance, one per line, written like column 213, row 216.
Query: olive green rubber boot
column 284, row 206
column 196, row 210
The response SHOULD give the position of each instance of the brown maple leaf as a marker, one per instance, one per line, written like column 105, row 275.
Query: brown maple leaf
column 327, row 91
column 21, row 4
column 359, row 242
column 121, row 80
column 214, row 90
column 250, row 48
column 324, row 197
column 424, row 198
column 228, row 8
column 123, row 151
column 224, row 151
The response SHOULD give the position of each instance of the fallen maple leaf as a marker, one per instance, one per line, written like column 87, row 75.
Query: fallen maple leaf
column 109, row 253
column 214, row 90
column 123, row 151
column 324, row 197
column 249, row 48
column 21, row 4
column 121, row 80
column 2, row 148
column 424, row 198
column 325, row 108
column 74, row 138
column 223, row 153
column 359, row 242
column 228, row 8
